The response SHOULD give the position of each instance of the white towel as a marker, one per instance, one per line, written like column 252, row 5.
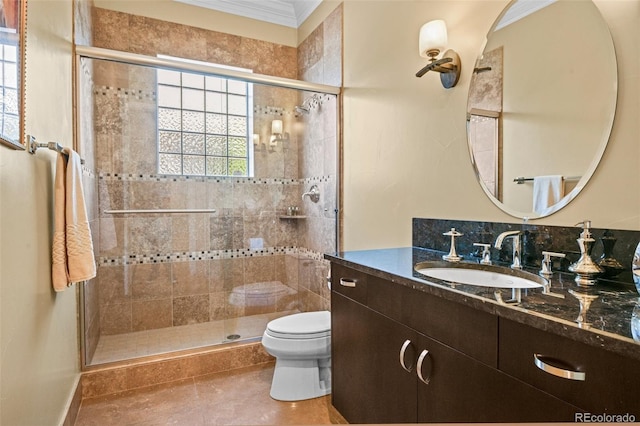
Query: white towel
column 547, row 191
column 72, row 251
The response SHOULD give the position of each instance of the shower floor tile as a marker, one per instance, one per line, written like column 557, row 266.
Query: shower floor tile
column 236, row 397
column 119, row 347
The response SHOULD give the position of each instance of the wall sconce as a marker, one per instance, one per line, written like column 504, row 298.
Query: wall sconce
column 276, row 132
column 433, row 39
column 256, row 139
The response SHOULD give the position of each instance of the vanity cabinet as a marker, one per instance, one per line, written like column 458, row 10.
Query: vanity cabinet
column 397, row 358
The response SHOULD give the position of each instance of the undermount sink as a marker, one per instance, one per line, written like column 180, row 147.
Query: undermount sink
column 480, row 275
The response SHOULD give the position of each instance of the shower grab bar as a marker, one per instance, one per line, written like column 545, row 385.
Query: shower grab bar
column 159, row 211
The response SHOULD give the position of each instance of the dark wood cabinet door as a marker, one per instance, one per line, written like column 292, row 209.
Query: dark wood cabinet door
column 461, row 389
column 369, row 384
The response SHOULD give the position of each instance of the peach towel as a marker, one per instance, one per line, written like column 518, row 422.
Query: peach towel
column 72, row 252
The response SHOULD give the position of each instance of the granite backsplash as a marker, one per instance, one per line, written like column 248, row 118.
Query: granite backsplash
column 427, row 233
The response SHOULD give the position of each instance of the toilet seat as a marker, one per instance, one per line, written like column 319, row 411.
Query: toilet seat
column 305, row 325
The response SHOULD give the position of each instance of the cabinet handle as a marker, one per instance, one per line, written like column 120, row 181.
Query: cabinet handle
column 423, row 355
column 403, row 351
column 348, row 282
column 544, row 364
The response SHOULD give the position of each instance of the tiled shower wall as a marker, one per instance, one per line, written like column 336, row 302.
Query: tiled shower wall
column 163, row 270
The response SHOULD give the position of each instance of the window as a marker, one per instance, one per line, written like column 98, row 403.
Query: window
column 204, row 123
column 9, row 113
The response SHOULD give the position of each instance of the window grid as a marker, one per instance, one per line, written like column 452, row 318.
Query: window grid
column 203, row 125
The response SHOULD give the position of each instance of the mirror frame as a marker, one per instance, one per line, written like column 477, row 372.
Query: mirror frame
column 21, row 33
column 597, row 157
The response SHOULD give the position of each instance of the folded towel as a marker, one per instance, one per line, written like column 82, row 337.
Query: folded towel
column 72, row 252
column 547, row 191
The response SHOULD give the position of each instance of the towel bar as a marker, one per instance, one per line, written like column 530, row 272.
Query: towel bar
column 159, row 211
column 520, row 180
column 53, row 146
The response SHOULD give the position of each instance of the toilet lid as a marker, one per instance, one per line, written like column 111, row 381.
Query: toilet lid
column 306, row 325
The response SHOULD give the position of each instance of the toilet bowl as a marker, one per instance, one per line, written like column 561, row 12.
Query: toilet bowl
column 301, row 344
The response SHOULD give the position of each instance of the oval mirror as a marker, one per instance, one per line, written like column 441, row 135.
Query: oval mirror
column 541, row 104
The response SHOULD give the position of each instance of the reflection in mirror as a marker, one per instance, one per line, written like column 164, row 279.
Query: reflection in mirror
column 539, row 114
column 12, row 40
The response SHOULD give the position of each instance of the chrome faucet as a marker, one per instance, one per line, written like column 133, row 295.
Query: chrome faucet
column 517, row 246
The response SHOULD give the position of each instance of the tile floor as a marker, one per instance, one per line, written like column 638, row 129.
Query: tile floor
column 235, row 397
column 120, row 347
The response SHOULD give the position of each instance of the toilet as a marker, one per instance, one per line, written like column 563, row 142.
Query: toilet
column 301, row 344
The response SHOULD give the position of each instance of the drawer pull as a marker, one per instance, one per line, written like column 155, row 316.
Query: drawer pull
column 348, row 282
column 403, row 351
column 421, row 359
column 544, row 364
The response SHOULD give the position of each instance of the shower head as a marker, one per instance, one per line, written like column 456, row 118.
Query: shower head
column 301, row 110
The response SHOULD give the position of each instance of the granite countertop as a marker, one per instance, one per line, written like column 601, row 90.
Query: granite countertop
column 606, row 323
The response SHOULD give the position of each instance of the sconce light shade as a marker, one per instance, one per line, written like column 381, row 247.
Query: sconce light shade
column 276, row 127
column 433, row 38
column 256, row 139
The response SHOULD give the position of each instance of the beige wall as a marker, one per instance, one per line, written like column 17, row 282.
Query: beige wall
column 405, row 148
column 39, row 350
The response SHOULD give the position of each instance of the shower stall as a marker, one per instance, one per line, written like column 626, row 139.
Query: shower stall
column 199, row 179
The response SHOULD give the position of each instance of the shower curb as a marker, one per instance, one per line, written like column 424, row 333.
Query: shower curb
column 133, row 374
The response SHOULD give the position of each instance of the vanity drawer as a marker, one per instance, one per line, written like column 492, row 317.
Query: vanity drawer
column 591, row 378
column 349, row 283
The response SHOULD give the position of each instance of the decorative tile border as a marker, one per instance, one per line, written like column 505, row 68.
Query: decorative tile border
column 120, row 92
column 134, row 177
column 207, row 255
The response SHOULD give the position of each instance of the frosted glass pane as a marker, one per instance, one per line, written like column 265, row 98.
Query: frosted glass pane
column 216, row 145
column 237, row 167
column 169, row 77
column 238, row 126
column 193, row 143
column 217, row 123
column 169, row 141
column 216, row 83
column 11, row 127
column 216, row 166
column 169, row 96
column 216, row 102
column 10, row 75
column 170, row 164
column 169, row 119
column 193, row 99
column 193, row 121
column 239, row 87
column 237, row 105
column 10, row 101
column 193, row 80
column 237, row 147
column 10, row 53
column 193, row 164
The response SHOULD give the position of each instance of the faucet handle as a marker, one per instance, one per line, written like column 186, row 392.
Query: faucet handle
column 547, row 263
column 452, row 256
column 486, row 254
